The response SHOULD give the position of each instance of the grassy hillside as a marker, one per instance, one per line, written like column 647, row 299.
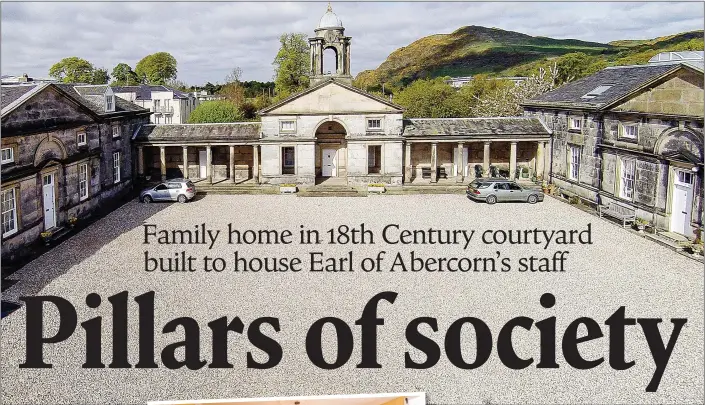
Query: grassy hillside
column 470, row 50
column 473, row 50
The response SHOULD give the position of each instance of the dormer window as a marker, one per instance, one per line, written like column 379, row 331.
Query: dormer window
column 109, row 103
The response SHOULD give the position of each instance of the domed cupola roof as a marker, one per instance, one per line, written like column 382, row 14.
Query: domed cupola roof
column 330, row 19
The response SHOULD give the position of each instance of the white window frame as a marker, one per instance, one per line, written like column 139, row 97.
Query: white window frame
column 116, row 167
column 627, row 178
column 287, row 130
column 81, row 138
column 574, row 162
column 9, row 211
column 374, row 128
column 83, row 181
column 109, row 103
column 116, row 131
column 572, row 123
column 11, row 155
column 623, row 130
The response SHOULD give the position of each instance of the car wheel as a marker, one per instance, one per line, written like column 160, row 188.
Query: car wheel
column 491, row 199
column 532, row 199
column 182, row 199
column 147, row 199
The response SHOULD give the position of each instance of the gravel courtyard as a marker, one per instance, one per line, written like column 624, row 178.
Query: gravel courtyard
column 618, row 269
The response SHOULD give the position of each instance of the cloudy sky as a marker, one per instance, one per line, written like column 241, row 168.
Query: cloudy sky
column 209, row 39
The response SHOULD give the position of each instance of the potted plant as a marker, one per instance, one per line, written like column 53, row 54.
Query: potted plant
column 376, row 188
column 72, row 221
column 641, row 224
column 46, row 237
column 287, row 188
column 544, row 187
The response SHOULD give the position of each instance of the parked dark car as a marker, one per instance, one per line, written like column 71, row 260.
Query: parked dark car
column 492, row 190
column 181, row 190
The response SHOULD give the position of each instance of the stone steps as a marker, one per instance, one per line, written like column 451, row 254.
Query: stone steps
column 330, row 191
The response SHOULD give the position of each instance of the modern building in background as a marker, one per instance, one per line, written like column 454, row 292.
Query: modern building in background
column 169, row 106
column 66, row 152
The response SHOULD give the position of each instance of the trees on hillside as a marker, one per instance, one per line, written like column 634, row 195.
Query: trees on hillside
column 291, row 65
column 218, row 111
column 77, row 70
column 157, row 68
column 505, row 102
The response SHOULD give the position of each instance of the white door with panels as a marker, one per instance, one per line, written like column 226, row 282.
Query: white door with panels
column 202, row 158
column 682, row 202
column 49, row 201
column 328, row 159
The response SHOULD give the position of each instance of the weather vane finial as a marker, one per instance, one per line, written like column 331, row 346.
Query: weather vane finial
column 330, row 9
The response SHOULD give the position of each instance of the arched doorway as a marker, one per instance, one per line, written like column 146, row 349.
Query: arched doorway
column 331, row 151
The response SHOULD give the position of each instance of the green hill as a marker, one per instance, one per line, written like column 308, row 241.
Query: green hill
column 479, row 50
column 470, row 50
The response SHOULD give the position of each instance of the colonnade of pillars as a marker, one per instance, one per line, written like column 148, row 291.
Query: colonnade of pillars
column 209, row 162
column 460, row 177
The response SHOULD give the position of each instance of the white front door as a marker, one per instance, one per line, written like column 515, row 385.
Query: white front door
column 682, row 202
column 49, row 210
column 202, row 157
column 328, row 167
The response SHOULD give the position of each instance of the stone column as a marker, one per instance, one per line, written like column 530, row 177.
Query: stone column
column 232, row 163
column 162, row 161
column 407, row 163
column 434, row 162
column 209, row 164
column 460, row 176
column 486, row 160
column 540, row 159
column 185, row 159
column 255, row 168
column 140, row 161
column 512, row 161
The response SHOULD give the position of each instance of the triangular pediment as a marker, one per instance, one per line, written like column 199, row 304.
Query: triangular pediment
column 679, row 93
column 332, row 97
column 46, row 108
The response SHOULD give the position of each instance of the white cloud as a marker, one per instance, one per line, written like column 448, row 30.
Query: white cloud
column 209, row 39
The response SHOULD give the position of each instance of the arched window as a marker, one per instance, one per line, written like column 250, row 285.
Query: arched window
column 330, row 61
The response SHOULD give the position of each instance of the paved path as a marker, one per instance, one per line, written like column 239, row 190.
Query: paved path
column 619, row 269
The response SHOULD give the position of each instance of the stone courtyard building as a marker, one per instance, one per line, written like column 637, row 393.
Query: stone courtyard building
column 634, row 135
column 66, row 152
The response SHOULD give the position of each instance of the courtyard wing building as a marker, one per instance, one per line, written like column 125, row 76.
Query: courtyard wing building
column 634, row 135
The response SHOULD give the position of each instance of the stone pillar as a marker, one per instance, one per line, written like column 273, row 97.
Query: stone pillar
column 460, row 176
column 232, row 163
column 209, row 164
column 407, row 163
column 185, row 159
column 486, row 160
column 512, row 161
column 434, row 162
column 255, row 168
column 162, row 161
column 540, row 159
column 140, row 161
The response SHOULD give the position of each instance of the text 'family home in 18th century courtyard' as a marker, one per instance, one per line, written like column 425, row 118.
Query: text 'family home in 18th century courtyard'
column 631, row 135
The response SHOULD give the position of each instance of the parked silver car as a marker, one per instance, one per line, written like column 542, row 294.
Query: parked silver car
column 492, row 190
column 181, row 190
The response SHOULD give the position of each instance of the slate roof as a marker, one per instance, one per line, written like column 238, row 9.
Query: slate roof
column 97, row 90
column 96, row 103
column 475, row 127
column 144, row 91
column 188, row 133
column 623, row 79
column 8, row 94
